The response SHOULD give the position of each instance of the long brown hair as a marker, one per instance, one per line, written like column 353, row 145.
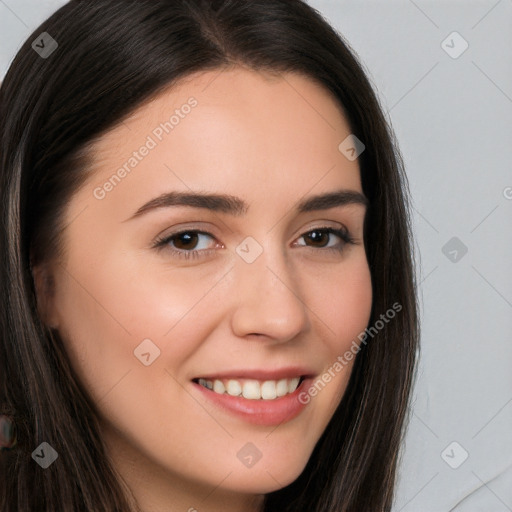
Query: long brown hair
column 112, row 56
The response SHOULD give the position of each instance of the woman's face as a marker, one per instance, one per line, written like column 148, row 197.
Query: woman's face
column 240, row 295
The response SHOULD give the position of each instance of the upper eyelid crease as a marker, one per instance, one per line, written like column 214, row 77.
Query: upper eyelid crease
column 342, row 232
column 200, row 230
column 237, row 207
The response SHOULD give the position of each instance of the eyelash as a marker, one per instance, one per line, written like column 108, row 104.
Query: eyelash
column 163, row 243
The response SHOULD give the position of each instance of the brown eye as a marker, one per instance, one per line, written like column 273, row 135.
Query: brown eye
column 317, row 236
column 320, row 237
column 184, row 244
column 186, row 240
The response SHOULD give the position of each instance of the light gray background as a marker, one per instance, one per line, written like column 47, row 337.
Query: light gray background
column 453, row 120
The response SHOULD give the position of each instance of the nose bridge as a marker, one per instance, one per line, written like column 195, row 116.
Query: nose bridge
column 269, row 298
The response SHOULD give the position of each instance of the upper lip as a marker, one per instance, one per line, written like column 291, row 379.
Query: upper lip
column 260, row 374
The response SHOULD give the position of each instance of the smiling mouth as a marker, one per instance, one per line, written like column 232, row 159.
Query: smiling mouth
column 252, row 389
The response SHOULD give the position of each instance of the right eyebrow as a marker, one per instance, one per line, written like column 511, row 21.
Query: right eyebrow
column 236, row 206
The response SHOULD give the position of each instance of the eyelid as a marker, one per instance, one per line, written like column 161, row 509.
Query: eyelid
column 341, row 231
column 319, row 224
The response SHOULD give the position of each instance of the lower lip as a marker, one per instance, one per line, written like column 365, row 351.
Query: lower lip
column 260, row 412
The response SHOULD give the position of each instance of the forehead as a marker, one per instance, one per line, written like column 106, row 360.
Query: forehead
column 238, row 92
column 237, row 130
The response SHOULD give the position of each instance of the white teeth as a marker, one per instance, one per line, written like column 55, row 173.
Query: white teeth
column 218, row 387
column 282, row 387
column 268, row 390
column 293, row 385
column 252, row 389
column 234, row 388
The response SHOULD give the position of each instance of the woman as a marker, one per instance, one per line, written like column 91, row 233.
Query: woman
column 264, row 371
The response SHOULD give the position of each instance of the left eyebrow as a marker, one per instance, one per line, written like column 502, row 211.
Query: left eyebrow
column 237, row 207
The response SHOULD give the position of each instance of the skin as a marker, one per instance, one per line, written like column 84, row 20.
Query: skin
column 270, row 141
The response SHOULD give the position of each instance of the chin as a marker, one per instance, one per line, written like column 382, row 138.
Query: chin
column 264, row 478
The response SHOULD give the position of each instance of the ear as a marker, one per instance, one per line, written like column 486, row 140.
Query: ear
column 44, row 284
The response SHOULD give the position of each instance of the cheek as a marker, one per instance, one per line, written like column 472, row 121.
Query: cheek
column 346, row 302
column 344, row 309
column 110, row 306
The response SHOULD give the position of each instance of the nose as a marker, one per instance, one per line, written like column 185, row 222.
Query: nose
column 269, row 300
